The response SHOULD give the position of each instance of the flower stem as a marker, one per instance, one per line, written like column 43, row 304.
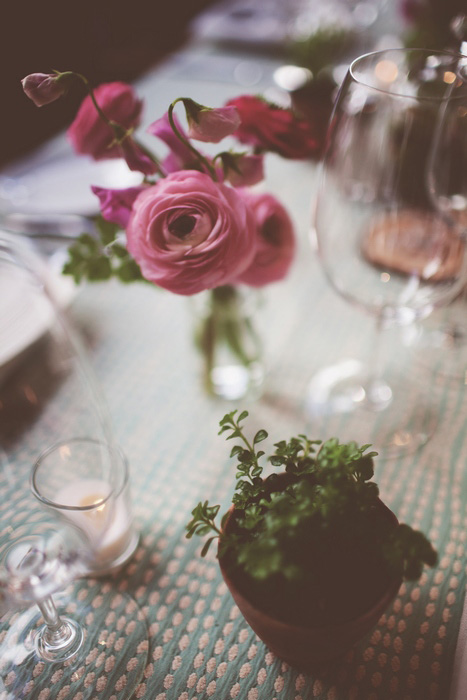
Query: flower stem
column 121, row 132
column 204, row 161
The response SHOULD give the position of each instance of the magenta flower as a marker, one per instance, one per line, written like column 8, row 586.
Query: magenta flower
column 43, row 88
column 210, row 125
column 90, row 134
column 180, row 156
column 116, row 205
column 275, row 237
column 136, row 157
column 270, row 128
column 188, row 233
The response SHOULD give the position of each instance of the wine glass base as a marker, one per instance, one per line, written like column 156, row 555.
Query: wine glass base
column 443, row 350
column 58, row 654
column 396, row 420
column 109, row 663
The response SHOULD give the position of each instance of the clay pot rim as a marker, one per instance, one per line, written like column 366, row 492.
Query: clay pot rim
column 387, row 596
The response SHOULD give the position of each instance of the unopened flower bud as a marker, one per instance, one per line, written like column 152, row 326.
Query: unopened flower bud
column 211, row 125
column 43, row 88
column 242, row 169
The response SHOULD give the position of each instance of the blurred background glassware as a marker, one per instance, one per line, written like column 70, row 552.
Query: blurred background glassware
column 48, row 390
column 47, row 387
column 86, row 483
column 442, row 339
column 383, row 245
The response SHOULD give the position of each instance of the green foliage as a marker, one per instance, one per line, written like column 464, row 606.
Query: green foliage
column 321, row 506
column 102, row 257
column 324, row 48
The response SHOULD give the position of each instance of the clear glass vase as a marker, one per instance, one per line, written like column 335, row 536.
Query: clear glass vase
column 227, row 340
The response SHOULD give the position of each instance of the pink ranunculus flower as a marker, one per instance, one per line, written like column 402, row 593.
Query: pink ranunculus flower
column 271, row 128
column 90, row 135
column 44, row 88
column 116, row 205
column 188, row 233
column 276, row 240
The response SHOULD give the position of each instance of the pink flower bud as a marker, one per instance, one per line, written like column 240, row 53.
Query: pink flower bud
column 211, row 125
column 243, row 169
column 43, row 88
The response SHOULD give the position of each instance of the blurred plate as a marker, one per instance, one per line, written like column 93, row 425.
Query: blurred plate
column 64, row 186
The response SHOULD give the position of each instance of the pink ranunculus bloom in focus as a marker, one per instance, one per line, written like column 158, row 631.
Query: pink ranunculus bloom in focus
column 116, row 205
column 90, row 135
column 43, row 88
column 276, row 240
column 188, row 233
column 212, row 125
column 271, row 128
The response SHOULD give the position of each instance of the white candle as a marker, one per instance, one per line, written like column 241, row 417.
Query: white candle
column 107, row 526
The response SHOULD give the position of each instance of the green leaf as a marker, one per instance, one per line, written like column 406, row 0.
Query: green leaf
column 129, row 271
column 236, row 449
column 206, row 546
column 260, row 436
column 107, row 230
column 99, row 269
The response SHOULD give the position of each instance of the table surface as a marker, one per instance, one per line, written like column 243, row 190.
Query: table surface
column 140, row 346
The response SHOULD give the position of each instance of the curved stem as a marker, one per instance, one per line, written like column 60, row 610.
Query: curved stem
column 121, row 132
column 204, row 161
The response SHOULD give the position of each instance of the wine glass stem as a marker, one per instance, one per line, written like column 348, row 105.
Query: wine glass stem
column 378, row 393
column 60, row 638
column 52, row 620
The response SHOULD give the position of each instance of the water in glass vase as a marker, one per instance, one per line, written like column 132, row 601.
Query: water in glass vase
column 228, row 342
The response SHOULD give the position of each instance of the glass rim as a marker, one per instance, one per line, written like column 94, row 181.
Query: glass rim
column 112, row 449
column 455, row 55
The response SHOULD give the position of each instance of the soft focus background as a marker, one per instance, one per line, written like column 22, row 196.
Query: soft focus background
column 115, row 40
column 105, row 40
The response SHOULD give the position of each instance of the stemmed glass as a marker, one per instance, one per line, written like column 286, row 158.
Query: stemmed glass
column 383, row 245
column 80, row 642
column 443, row 339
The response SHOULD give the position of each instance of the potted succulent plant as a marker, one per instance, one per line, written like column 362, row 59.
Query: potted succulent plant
column 311, row 555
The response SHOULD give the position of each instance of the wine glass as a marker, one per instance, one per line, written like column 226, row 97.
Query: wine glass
column 442, row 340
column 382, row 243
column 51, row 637
column 47, row 391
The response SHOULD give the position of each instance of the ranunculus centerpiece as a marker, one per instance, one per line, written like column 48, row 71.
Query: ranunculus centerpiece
column 195, row 225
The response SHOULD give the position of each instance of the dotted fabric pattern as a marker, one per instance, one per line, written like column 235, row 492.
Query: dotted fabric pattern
column 140, row 346
column 200, row 646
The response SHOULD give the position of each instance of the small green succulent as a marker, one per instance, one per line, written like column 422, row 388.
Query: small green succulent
column 299, row 530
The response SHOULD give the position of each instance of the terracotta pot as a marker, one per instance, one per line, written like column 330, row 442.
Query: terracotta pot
column 311, row 646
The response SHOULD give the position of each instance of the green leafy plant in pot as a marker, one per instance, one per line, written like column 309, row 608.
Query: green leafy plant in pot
column 311, row 555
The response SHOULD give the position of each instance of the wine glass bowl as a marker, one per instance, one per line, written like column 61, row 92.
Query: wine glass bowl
column 383, row 244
